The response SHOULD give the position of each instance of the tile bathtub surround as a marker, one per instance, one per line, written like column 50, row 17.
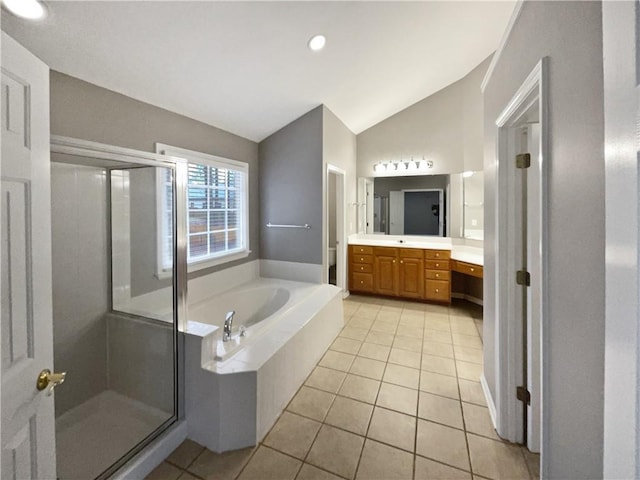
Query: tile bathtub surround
column 396, row 396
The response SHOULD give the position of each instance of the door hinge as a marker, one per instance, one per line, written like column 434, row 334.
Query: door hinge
column 523, row 160
column 523, row 395
column 523, row 278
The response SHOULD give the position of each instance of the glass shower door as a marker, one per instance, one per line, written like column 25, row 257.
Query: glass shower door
column 115, row 326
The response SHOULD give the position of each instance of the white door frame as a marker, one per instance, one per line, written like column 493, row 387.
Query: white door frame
column 621, row 458
column 507, row 415
column 341, row 243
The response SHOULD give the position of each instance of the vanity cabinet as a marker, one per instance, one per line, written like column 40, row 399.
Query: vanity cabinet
column 361, row 268
column 400, row 272
column 385, row 270
column 411, row 284
column 437, row 275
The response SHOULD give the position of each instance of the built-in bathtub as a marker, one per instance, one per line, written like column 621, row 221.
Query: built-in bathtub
column 236, row 390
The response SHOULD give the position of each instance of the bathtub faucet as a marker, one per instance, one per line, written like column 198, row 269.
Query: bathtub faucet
column 228, row 323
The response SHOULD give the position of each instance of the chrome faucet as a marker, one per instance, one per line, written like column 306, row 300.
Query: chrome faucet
column 228, row 323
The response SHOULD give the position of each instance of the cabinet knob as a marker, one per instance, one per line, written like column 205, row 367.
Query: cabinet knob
column 437, row 290
column 437, row 264
column 361, row 282
column 361, row 268
column 394, row 261
column 437, row 275
column 472, row 269
column 401, row 261
column 437, row 255
column 361, row 259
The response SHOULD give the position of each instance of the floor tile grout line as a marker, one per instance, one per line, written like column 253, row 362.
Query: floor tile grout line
column 464, row 423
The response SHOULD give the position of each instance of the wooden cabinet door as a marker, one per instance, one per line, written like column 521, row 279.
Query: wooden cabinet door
column 411, row 277
column 386, row 274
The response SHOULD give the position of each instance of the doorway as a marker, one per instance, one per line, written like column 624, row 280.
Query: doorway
column 520, row 286
column 335, row 250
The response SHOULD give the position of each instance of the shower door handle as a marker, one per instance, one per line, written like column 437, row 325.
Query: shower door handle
column 51, row 380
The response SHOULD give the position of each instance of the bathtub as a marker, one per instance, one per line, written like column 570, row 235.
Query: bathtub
column 235, row 390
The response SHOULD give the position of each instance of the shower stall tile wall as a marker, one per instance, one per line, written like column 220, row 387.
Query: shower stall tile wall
column 80, row 286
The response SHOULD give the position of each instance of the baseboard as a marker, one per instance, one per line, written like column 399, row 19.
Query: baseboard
column 477, row 301
column 490, row 403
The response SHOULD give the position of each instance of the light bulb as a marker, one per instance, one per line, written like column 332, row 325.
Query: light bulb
column 317, row 43
column 30, row 9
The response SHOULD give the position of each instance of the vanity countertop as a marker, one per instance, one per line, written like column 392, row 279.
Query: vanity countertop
column 464, row 253
column 468, row 254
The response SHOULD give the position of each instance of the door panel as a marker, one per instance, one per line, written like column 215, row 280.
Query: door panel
column 385, row 275
column 411, row 277
column 28, row 440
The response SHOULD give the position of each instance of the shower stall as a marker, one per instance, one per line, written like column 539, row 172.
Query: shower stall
column 117, row 293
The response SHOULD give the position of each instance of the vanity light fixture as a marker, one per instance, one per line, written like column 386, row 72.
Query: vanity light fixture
column 402, row 166
column 29, row 9
column 317, row 42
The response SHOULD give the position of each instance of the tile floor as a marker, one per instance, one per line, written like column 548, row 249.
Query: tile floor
column 396, row 396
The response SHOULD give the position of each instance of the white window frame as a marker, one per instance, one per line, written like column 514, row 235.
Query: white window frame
column 213, row 161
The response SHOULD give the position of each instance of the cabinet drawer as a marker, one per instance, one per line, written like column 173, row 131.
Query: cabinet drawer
column 436, row 264
column 411, row 253
column 362, row 258
column 437, row 290
column 362, row 268
column 356, row 249
column 385, row 251
column 467, row 268
column 437, row 254
column 437, row 275
column 362, row 282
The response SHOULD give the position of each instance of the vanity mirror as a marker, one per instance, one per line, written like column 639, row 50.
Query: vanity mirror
column 440, row 205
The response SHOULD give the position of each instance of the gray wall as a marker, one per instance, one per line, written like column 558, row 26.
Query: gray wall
column 80, row 289
column 570, row 33
column 82, row 110
column 445, row 127
column 291, row 190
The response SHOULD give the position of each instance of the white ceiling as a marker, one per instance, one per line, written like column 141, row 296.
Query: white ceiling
column 245, row 66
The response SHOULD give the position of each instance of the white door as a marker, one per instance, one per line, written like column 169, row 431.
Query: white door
column 396, row 213
column 369, row 200
column 28, row 435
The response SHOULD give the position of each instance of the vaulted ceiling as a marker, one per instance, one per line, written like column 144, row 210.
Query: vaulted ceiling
column 245, row 66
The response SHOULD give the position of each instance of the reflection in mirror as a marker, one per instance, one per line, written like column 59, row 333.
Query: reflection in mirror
column 413, row 205
column 473, row 211
column 459, row 206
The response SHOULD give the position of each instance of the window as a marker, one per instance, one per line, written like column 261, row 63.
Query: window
column 217, row 210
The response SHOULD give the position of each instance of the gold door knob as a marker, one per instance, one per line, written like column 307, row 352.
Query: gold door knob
column 51, row 380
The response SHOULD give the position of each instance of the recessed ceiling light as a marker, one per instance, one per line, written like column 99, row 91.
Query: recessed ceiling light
column 317, row 43
column 30, row 9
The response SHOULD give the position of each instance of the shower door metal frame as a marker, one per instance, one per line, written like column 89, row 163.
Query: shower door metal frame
column 100, row 151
